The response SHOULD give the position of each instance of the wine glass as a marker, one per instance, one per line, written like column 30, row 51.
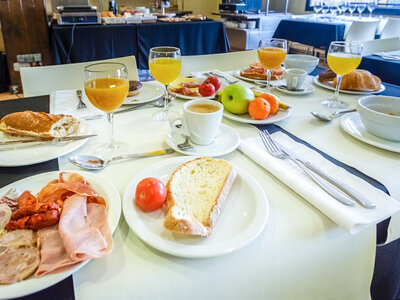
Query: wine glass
column 352, row 8
column 371, row 6
column 325, row 8
column 106, row 86
column 360, row 9
column 343, row 58
column 165, row 66
column 317, row 8
column 271, row 53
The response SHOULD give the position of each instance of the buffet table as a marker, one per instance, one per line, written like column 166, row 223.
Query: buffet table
column 300, row 254
column 70, row 43
column 386, row 69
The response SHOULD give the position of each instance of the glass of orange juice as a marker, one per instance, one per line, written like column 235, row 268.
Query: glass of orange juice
column 271, row 53
column 106, row 86
column 343, row 58
column 165, row 66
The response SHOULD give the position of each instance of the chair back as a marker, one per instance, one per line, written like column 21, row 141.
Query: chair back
column 391, row 29
column 44, row 80
column 222, row 62
column 362, row 31
column 381, row 45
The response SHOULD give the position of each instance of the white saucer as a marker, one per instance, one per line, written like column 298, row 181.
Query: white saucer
column 352, row 124
column 307, row 90
column 151, row 90
column 226, row 141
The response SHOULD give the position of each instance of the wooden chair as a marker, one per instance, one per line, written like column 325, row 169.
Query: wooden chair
column 44, row 80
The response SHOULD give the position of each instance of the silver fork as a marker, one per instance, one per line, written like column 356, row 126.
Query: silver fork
column 311, row 170
column 81, row 104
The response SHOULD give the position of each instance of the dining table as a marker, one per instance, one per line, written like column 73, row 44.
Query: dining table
column 299, row 254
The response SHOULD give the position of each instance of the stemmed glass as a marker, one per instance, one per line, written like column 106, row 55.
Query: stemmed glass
column 317, row 8
column 343, row 58
column 334, row 9
column 360, row 9
column 165, row 66
column 352, row 8
column 371, row 6
column 106, row 86
column 271, row 53
column 325, row 8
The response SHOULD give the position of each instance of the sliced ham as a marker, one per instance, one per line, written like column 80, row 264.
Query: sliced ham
column 5, row 215
column 191, row 84
column 84, row 229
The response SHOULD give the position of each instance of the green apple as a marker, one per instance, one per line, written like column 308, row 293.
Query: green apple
column 236, row 98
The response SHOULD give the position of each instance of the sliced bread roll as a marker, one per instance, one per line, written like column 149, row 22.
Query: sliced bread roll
column 196, row 193
column 38, row 124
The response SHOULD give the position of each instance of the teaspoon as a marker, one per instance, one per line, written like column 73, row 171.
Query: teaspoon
column 96, row 163
column 331, row 116
column 185, row 146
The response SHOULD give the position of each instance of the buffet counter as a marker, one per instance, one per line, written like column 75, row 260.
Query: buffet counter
column 80, row 43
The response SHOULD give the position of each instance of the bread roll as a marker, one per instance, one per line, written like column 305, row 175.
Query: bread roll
column 38, row 124
column 196, row 193
column 359, row 80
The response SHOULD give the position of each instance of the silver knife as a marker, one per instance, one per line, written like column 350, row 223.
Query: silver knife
column 49, row 140
column 345, row 188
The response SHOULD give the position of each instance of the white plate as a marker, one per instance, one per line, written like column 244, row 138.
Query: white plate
column 353, row 125
column 34, row 183
column 236, row 73
column 223, row 85
column 307, row 90
column 245, row 118
column 151, row 90
column 328, row 86
column 241, row 221
column 23, row 155
column 226, row 141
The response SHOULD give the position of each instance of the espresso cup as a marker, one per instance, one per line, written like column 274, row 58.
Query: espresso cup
column 200, row 121
column 295, row 78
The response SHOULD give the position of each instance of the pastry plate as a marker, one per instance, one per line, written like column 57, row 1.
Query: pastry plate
column 34, row 183
column 245, row 118
column 329, row 86
column 353, row 125
column 226, row 141
column 26, row 154
column 236, row 73
column 151, row 90
column 239, row 224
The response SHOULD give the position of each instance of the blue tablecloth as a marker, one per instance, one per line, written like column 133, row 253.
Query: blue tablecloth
column 386, row 70
column 317, row 34
column 82, row 43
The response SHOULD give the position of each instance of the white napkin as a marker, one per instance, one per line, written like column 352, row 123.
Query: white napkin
column 227, row 75
column 67, row 102
column 351, row 218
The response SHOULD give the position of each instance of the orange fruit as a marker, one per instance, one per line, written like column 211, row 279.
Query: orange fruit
column 273, row 102
column 259, row 108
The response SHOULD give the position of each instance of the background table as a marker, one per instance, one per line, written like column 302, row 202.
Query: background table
column 95, row 42
column 313, row 33
column 387, row 70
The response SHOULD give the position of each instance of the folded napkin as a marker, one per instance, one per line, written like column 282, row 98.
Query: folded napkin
column 227, row 75
column 66, row 101
column 392, row 55
column 351, row 218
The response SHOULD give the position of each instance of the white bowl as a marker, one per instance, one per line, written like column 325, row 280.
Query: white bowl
column 381, row 116
column 301, row 61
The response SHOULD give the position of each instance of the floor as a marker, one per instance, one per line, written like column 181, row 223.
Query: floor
column 8, row 96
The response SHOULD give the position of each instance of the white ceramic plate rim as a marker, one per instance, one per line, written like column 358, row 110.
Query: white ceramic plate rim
column 308, row 89
column 132, row 217
column 146, row 85
column 279, row 116
column 363, row 135
column 13, row 161
column 225, row 130
column 103, row 186
column 236, row 73
column 331, row 88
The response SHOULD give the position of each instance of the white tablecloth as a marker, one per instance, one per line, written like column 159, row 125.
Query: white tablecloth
column 301, row 254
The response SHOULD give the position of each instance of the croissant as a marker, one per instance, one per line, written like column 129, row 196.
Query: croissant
column 359, row 80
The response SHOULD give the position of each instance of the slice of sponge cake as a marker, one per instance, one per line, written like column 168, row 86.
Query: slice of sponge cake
column 196, row 193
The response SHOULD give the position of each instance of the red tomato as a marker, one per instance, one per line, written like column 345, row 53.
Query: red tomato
column 206, row 89
column 150, row 194
column 214, row 81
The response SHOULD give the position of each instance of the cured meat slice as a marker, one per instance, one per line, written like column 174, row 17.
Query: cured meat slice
column 186, row 92
column 84, row 229
column 191, row 84
column 18, row 238
column 18, row 263
column 5, row 215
